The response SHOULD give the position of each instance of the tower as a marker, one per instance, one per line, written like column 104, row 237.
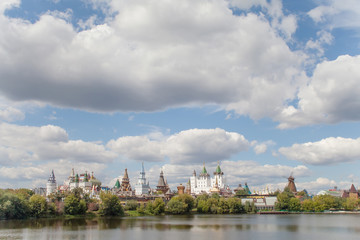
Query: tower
column 142, row 187
column 162, row 184
column 125, row 183
column 51, row 184
column 181, row 189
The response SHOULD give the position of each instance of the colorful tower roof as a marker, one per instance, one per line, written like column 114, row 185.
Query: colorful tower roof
column 117, row 184
column 218, row 170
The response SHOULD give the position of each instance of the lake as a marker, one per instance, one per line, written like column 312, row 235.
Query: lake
column 197, row 227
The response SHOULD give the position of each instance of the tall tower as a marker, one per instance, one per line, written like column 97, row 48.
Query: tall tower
column 51, row 184
column 218, row 178
column 162, row 184
column 142, row 187
column 125, row 183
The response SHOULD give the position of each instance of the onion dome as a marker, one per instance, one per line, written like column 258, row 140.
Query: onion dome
column 94, row 181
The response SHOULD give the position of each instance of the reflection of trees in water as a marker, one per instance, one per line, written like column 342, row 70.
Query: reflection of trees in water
column 74, row 224
column 110, row 223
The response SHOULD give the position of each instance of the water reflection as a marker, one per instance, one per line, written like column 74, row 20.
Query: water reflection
column 229, row 226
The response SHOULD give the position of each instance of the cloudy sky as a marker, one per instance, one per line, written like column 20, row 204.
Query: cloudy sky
column 267, row 87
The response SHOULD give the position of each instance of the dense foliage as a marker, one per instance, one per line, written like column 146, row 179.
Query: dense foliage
column 110, row 205
column 303, row 203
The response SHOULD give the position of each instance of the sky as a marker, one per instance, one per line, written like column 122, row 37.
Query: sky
column 266, row 88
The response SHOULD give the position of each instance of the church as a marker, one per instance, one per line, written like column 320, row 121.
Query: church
column 206, row 184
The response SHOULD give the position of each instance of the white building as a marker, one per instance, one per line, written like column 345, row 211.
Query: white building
column 142, row 187
column 87, row 183
column 205, row 184
column 51, row 184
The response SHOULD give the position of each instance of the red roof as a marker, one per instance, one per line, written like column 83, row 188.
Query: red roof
column 352, row 189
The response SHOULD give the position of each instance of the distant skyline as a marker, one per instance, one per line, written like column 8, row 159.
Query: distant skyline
column 267, row 87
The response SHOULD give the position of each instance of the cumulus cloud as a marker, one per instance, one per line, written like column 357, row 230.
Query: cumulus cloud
column 193, row 145
column 139, row 148
column 325, row 152
column 11, row 114
column 331, row 96
column 142, row 59
column 262, row 147
column 37, row 175
column 338, row 14
column 26, row 145
column 285, row 24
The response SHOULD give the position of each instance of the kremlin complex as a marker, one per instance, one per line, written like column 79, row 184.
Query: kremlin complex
column 198, row 184
column 203, row 183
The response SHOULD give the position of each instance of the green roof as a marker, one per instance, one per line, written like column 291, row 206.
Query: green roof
column 218, row 169
column 204, row 170
column 117, row 184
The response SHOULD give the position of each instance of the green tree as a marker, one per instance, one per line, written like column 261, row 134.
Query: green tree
column 294, row 205
column 308, row 205
column 223, row 206
column 24, row 193
column 188, row 200
column 12, row 206
column 326, row 202
column 202, row 206
column 203, row 196
column 73, row 205
column 250, row 207
column 158, row 206
column 110, row 205
column 283, row 199
column 176, row 206
column 38, row 206
column 131, row 205
column 351, row 204
column 235, row 205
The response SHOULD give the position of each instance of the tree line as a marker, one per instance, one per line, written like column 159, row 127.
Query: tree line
column 287, row 200
column 23, row 203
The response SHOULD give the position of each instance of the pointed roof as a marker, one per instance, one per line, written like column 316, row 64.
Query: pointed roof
column 85, row 177
column 52, row 177
column 161, row 181
column 204, row 170
column 352, row 189
column 142, row 168
column 117, row 184
column 126, row 174
column 218, row 169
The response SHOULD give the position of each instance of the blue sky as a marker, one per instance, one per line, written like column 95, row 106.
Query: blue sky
column 268, row 88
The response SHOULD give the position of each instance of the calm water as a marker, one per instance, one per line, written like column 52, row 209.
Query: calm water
column 302, row 227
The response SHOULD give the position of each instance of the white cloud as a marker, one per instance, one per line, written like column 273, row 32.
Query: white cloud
column 11, row 114
column 8, row 4
column 324, row 38
column 285, row 24
column 189, row 146
column 138, row 148
column 262, row 147
column 26, row 145
column 142, row 59
column 338, row 14
column 331, row 96
column 325, row 152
